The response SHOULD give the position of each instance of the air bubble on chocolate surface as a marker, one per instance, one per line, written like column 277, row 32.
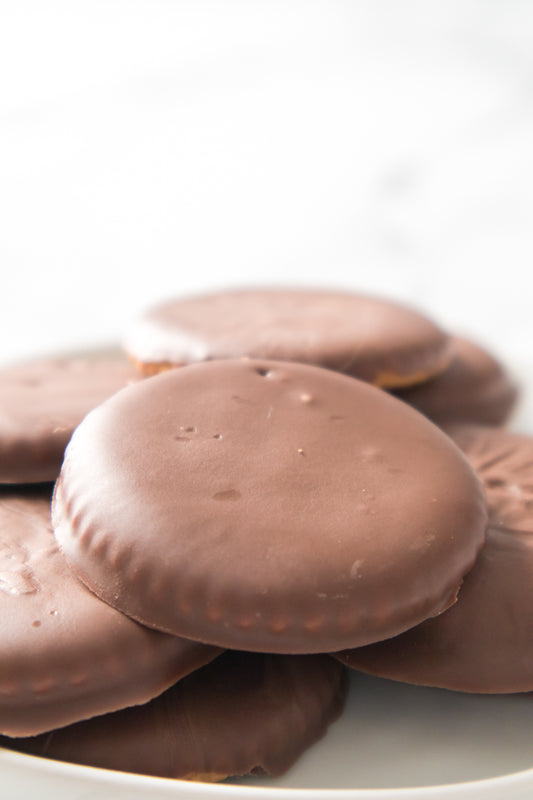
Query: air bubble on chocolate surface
column 355, row 571
column 372, row 453
column 18, row 582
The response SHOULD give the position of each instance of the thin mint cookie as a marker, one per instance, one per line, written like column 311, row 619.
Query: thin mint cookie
column 64, row 654
column 41, row 403
column 485, row 642
column 267, row 506
column 242, row 713
column 475, row 388
column 378, row 341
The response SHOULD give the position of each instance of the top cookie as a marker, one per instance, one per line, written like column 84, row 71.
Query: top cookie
column 372, row 339
column 267, row 506
column 41, row 403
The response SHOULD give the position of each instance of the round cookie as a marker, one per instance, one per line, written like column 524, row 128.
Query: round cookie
column 267, row 506
column 64, row 654
column 485, row 642
column 40, row 405
column 475, row 388
column 242, row 713
column 378, row 341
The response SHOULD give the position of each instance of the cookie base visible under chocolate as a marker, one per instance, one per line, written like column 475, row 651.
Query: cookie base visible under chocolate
column 475, row 388
column 376, row 340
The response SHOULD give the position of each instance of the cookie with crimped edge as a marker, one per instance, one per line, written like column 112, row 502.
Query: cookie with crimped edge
column 485, row 642
column 243, row 713
column 42, row 401
column 64, row 654
column 475, row 388
column 267, row 506
column 376, row 340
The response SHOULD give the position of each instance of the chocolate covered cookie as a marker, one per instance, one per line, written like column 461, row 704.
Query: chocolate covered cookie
column 378, row 341
column 475, row 388
column 485, row 642
column 64, row 654
column 40, row 405
column 267, row 506
column 242, row 713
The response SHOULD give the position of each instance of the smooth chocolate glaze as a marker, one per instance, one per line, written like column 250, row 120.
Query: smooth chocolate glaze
column 485, row 642
column 240, row 714
column 378, row 341
column 64, row 654
column 40, row 405
column 475, row 388
column 268, row 506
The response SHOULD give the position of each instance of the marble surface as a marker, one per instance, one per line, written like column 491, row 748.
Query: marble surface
column 158, row 147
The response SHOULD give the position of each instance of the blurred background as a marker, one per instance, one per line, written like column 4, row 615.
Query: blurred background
column 151, row 148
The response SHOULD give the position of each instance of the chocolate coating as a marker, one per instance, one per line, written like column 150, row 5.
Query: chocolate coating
column 372, row 339
column 485, row 642
column 475, row 388
column 242, row 713
column 64, row 654
column 40, row 405
column 267, row 506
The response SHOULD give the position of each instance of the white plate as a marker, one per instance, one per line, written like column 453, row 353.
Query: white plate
column 393, row 742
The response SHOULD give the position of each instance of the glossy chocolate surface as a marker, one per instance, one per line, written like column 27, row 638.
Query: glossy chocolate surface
column 40, row 405
column 485, row 642
column 64, row 654
column 268, row 506
column 242, row 713
column 378, row 341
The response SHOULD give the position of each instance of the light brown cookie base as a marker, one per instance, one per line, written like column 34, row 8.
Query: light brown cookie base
column 476, row 388
column 384, row 380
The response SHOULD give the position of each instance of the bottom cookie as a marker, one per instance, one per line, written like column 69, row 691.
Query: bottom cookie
column 242, row 713
column 484, row 643
column 475, row 388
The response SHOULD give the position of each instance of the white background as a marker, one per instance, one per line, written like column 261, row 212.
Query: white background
column 151, row 148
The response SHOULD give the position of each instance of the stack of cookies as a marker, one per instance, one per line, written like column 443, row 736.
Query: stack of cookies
column 260, row 498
